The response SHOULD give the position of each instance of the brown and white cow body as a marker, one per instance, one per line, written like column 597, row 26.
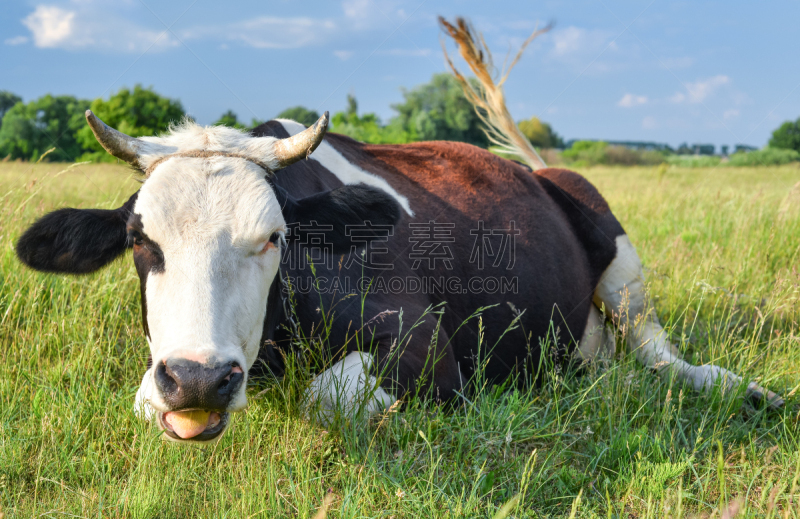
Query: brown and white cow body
column 211, row 227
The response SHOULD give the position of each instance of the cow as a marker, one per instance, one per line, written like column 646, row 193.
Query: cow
column 225, row 224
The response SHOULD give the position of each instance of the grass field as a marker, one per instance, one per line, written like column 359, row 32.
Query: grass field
column 721, row 249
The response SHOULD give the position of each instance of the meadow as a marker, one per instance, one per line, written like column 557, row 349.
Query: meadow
column 721, row 250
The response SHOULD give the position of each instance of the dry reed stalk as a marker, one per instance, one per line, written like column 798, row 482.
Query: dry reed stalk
column 489, row 100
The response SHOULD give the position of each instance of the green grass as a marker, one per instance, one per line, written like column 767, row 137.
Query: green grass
column 721, row 252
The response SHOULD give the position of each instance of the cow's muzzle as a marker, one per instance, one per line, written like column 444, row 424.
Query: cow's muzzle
column 198, row 396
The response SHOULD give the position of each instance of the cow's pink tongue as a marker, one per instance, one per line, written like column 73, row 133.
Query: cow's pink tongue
column 187, row 424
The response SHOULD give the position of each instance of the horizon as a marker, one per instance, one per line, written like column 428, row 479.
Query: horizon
column 672, row 72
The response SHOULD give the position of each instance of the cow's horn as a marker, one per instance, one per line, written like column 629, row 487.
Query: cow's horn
column 116, row 143
column 291, row 149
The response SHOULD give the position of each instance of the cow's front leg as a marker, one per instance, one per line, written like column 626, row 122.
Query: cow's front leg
column 348, row 389
column 365, row 384
column 621, row 292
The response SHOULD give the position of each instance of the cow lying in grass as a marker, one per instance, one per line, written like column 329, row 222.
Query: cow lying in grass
column 226, row 218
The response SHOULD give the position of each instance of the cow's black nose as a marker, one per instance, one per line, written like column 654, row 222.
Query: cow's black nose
column 186, row 384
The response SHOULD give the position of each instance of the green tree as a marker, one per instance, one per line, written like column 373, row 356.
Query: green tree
column 139, row 112
column 229, row 118
column 7, row 100
column 28, row 130
column 587, row 152
column 540, row 134
column 768, row 156
column 366, row 128
column 787, row 136
column 438, row 110
column 352, row 105
column 301, row 114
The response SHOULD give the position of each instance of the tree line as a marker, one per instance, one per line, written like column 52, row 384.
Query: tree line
column 437, row 110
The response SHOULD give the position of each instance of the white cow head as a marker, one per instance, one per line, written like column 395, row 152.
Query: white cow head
column 206, row 229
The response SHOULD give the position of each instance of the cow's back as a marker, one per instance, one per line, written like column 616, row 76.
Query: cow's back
column 478, row 185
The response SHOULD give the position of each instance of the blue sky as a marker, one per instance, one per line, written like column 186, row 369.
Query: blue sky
column 710, row 72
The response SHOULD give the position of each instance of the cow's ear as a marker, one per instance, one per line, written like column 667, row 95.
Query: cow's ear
column 76, row 241
column 337, row 212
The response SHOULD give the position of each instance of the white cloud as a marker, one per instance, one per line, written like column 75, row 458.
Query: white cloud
column 83, row 28
column 590, row 51
column 699, row 91
column 343, row 55
column 630, row 100
column 16, row 40
column 649, row 123
column 369, row 14
column 730, row 114
column 51, row 26
column 93, row 25
column 356, row 9
column 572, row 41
column 268, row 32
column 271, row 32
column 677, row 97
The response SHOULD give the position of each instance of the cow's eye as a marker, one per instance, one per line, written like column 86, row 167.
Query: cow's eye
column 136, row 238
column 274, row 241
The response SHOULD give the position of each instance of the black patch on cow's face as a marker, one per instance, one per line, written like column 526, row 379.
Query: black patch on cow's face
column 76, row 241
column 147, row 258
column 145, row 251
column 350, row 205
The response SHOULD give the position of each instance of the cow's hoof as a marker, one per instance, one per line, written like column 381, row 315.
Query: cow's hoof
column 758, row 395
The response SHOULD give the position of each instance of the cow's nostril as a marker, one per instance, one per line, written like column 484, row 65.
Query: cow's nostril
column 231, row 381
column 164, row 379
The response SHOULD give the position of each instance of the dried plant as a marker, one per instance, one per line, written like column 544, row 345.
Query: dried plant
column 489, row 100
